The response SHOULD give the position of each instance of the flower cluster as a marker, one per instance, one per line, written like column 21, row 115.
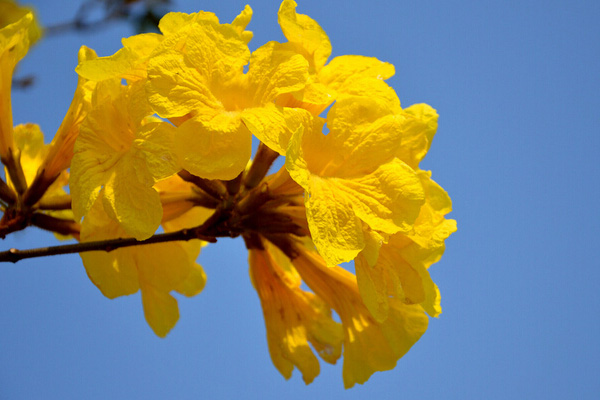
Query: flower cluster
column 160, row 134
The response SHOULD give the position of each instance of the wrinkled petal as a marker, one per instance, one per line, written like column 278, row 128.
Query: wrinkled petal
column 182, row 80
column 334, row 227
column 275, row 70
column 341, row 71
column 241, row 22
column 418, row 130
column 128, row 63
column 172, row 22
column 305, row 33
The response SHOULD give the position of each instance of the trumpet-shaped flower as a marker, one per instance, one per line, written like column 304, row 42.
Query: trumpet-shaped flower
column 14, row 44
column 369, row 345
column 119, row 155
column 351, row 177
column 197, row 73
column 293, row 317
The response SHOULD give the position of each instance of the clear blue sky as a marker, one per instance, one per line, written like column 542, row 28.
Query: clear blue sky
column 516, row 84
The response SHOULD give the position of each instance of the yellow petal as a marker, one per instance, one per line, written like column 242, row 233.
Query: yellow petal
column 216, row 149
column 194, row 283
column 160, row 309
column 175, row 87
column 418, row 130
column 315, row 98
column 241, row 22
column 269, row 124
column 155, row 143
column 172, row 22
column 305, row 33
column 334, row 227
column 104, row 137
column 128, row 62
column 431, row 227
column 341, row 71
column 186, row 68
column 157, row 269
column 114, row 273
column 275, row 70
column 340, row 194
column 388, row 199
column 11, row 12
column 29, row 139
column 130, row 199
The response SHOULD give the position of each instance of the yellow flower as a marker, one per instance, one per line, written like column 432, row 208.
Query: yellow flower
column 14, row 44
column 156, row 270
column 352, row 179
column 131, row 61
column 369, row 345
column 119, row 155
column 399, row 270
column 197, row 73
column 327, row 81
column 293, row 317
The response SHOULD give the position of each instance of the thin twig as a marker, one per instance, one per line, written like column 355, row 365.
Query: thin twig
column 14, row 255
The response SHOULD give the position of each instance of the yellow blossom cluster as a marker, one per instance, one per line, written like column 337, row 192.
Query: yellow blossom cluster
column 159, row 135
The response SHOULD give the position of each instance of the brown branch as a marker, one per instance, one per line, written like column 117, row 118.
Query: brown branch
column 14, row 255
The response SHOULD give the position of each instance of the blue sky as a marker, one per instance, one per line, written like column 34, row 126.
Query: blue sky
column 516, row 85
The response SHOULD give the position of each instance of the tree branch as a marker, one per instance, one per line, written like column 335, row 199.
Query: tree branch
column 14, row 255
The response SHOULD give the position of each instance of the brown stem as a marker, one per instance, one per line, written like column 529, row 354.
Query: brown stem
column 214, row 188
column 58, row 225
column 233, row 186
column 263, row 160
column 15, row 171
column 58, row 202
column 6, row 193
column 14, row 255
